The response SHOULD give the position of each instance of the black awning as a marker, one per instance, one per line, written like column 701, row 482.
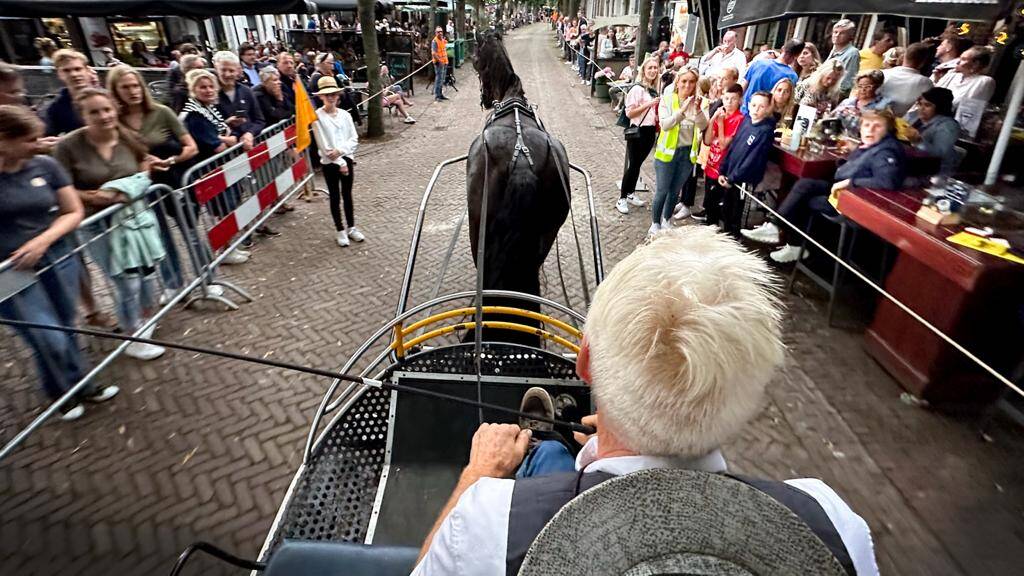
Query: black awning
column 346, row 5
column 743, row 12
column 188, row 8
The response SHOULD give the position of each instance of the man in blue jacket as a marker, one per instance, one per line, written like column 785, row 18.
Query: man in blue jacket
column 237, row 105
column 746, row 158
column 878, row 162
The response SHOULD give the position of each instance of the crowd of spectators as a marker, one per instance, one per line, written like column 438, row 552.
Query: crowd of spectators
column 96, row 145
column 918, row 96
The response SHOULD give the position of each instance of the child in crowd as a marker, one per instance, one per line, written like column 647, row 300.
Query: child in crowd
column 746, row 158
column 721, row 129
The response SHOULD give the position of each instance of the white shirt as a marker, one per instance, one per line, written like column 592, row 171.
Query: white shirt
column 713, row 65
column 944, row 69
column 979, row 86
column 902, row 86
column 336, row 132
column 472, row 539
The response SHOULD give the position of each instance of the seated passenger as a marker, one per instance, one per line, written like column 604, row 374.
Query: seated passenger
column 865, row 97
column 934, row 130
column 680, row 342
column 877, row 163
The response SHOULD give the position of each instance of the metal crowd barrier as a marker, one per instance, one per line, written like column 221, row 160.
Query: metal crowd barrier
column 227, row 197
column 223, row 200
column 166, row 286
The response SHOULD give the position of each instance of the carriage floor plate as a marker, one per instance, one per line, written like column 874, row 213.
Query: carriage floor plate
column 429, row 446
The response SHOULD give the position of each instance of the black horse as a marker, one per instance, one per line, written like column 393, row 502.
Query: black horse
column 525, row 174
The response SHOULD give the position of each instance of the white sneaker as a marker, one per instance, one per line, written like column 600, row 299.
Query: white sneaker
column 766, row 233
column 213, row 290
column 622, row 206
column 666, row 224
column 144, row 352
column 107, row 393
column 148, row 333
column 73, row 414
column 167, row 295
column 409, row 120
column 654, row 229
column 632, row 199
column 355, row 234
column 342, row 239
column 243, row 252
column 786, row 254
column 681, row 212
column 235, row 258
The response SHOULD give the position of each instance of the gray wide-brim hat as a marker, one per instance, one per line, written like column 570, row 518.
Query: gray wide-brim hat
column 677, row 522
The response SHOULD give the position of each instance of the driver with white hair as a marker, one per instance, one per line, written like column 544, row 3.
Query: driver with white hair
column 680, row 342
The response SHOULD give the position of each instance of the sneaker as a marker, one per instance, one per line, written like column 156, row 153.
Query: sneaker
column 342, row 239
column 243, row 252
column 213, row 290
column 148, row 332
column 235, row 258
column 622, row 205
column 786, row 254
column 73, row 414
column 632, row 199
column 167, row 295
column 144, row 352
column 537, row 402
column 355, row 234
column 666, row 224
column 699, row 216
column 438, row 100
column 681, row 212
column 563, row 401
column 443, row 97
column 654, row 229
column 267, row 231
column 766, row 233
column 247, row 242
column 409, row 120
column 103, row 395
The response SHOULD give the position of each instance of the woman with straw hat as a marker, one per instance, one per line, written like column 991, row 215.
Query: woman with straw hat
column 337, row 139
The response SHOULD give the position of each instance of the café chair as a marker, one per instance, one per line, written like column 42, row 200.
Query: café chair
column 848, row 234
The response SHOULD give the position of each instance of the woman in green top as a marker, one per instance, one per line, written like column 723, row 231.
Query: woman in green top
column 159, row 129
column 93, row 155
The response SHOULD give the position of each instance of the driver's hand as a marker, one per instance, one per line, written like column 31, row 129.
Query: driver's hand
column 498, row 449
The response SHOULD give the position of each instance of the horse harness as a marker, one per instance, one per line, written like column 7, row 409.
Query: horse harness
column 515, row 106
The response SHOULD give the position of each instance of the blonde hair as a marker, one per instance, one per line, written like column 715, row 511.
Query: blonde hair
column 684, row 72
column 643, row 75
column 60, row 57
column 684, row 335
column 194, row 76
column 116, row 74
column 788, row 108
column 814, row 80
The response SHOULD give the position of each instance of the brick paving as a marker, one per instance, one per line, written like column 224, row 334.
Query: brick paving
column 200, row 448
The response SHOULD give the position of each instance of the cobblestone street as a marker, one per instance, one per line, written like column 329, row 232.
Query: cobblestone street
column 201, row 448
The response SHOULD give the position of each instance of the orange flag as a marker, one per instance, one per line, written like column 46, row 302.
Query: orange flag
column 304, row 116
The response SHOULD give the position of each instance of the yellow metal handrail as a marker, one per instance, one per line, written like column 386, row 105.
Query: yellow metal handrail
column 493, row 310
column 400, row 346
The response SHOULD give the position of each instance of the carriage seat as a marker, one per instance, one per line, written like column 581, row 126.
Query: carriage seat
column 322, row 558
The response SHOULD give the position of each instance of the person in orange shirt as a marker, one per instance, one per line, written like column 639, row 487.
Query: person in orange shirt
column 439, row 56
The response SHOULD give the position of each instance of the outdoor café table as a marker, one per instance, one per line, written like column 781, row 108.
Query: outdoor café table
column 822, row 165
column 971, row 296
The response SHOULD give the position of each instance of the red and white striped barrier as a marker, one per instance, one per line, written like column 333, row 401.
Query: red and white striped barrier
column 216, row 182
column 222, row 232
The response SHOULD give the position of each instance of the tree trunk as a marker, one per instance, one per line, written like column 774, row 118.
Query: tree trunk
column 460, row 19
column 375, row 119
column 433, row 18
column 644, row 32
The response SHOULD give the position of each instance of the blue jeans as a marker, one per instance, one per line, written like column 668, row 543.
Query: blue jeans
column 440, row 70
column 547, row 457
column 670, row 178
column 51, row 300
column 135, row 292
